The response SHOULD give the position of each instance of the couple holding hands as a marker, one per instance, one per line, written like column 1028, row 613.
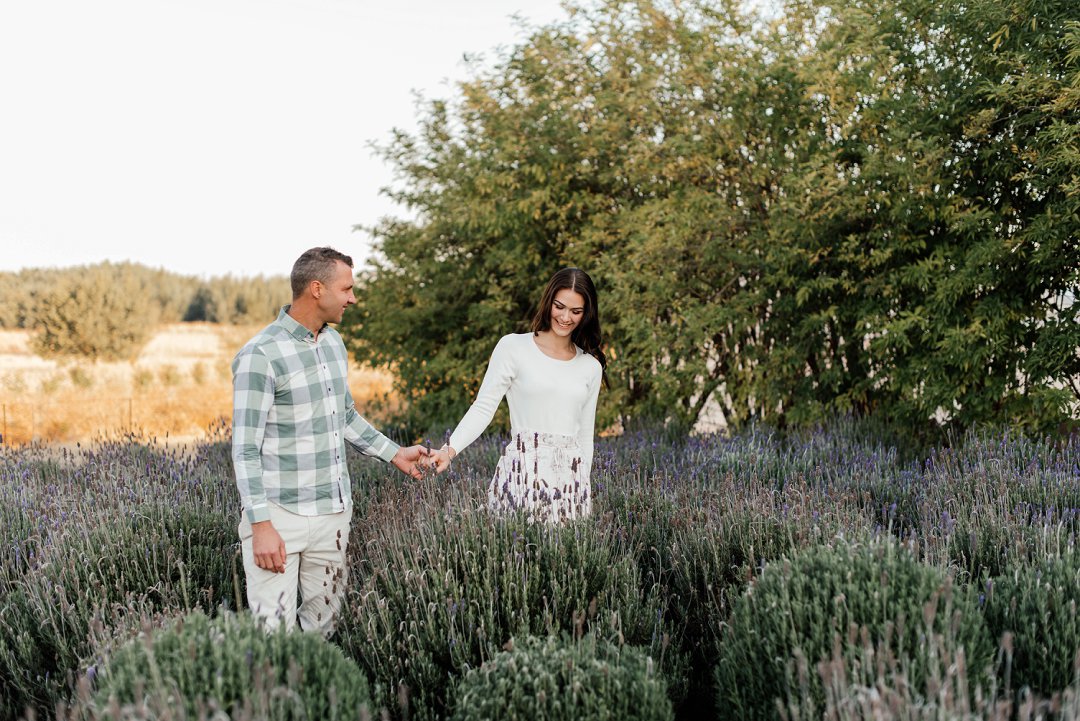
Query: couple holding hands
column 293, row 413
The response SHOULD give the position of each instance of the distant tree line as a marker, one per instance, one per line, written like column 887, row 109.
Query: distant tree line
column 850, row 206
column 109, row 310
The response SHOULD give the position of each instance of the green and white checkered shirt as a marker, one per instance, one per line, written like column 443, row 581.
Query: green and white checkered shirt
column 292, row 413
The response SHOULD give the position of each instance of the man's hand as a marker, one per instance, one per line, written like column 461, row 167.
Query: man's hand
column 267, row 547
column 407, row 460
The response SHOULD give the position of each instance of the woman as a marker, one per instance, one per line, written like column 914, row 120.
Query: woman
column 551, row 379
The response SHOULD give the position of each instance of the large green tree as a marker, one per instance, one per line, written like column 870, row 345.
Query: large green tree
column 924, row 255
column 851, row 206
column 582, row 147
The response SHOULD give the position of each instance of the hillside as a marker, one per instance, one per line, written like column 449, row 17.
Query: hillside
column 177, row 387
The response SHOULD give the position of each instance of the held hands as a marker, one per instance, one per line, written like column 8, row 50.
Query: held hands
column 412, row 460
column 440, row 459
column 415, row 461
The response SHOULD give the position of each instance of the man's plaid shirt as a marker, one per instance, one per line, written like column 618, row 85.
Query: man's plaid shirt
column 292, row 413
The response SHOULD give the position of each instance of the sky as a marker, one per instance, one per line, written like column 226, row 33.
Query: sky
column 213, row 137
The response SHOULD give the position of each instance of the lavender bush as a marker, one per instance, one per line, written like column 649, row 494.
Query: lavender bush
column 564, row 679
column 438, row 588
column 799, row 605
column 229, row 660
column 102, row 540
column 1037, row 606
column 98, row 543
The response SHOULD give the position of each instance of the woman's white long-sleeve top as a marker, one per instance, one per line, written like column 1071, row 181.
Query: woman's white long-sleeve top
column 544, row 394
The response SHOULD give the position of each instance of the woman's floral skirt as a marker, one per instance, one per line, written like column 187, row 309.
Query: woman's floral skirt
column 542, row 475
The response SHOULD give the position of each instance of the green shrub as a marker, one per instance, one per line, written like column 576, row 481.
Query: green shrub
column 435, row 594
column 866, row 681
column 1038, row 606
column 142, row 378
column 551, row 678
column 806, row 602
column 80, row 378
column 233, row 661
column 682, row 551
column 97, row 312
column 88, row 582
column 701, row 532
column 180, row 557
column 168, row 375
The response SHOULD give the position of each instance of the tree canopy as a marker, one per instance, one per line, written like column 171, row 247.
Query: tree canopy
column 109, row 310
column 851, row 206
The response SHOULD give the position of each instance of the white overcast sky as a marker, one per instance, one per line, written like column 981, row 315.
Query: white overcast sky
column 217, row 136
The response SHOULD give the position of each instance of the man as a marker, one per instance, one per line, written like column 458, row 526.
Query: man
column 292, row 414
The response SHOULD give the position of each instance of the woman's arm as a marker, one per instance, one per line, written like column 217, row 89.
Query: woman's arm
column 588, row 421
column 500, row 373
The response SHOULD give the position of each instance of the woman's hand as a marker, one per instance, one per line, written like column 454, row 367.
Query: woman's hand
column 409, row 460
column 441, row 458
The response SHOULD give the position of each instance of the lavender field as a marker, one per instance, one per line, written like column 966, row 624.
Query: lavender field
column 825, row 575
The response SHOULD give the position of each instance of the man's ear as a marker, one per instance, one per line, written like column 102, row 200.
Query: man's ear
column 316, row 288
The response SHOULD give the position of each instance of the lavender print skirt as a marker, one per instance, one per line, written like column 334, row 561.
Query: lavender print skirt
column 541, row 474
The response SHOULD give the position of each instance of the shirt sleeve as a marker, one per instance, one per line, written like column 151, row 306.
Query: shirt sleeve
column 500, row 373
column 363, row 436
column 253, row 396
column 588, row 420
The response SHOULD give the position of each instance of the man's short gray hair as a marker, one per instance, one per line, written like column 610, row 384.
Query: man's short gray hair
column 315, row 264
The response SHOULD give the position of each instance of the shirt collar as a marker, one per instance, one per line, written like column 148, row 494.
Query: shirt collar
column 296, row 329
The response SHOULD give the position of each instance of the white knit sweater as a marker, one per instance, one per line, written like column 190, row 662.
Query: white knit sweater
column 544, row 394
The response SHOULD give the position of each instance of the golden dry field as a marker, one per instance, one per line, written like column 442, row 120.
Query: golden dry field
column 176, row 388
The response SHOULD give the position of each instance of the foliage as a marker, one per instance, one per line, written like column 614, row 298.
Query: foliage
column 803, row 603
column 848, row 206
column 90, row 303
column 239, row 300
column 101, row 543
column 235, row 662
column 551, row 678
column 441, row 592
column 865, row 681
column 96, row 560
column 1036, row 606
column 99, row 313
column 921, row 264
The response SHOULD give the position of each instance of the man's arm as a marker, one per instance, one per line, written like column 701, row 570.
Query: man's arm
column 369, row 441
column 253, row 395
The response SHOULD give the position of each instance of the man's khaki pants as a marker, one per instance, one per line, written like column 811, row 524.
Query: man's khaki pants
column 314, row 563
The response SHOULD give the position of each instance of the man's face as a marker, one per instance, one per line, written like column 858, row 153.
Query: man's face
column 336, row 294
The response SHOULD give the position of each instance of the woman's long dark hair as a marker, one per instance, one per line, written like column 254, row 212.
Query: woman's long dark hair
column 587, row 333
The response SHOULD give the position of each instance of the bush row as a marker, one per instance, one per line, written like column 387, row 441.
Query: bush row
column 724, row 563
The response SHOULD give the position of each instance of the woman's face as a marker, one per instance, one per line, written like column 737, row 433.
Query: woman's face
column 567, row 310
